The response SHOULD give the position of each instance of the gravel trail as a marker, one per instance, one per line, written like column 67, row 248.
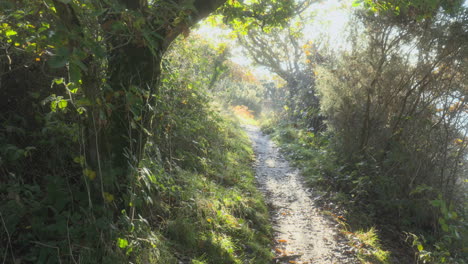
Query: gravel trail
column 302, row 234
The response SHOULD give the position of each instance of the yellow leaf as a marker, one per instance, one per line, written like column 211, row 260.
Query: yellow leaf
column 282, row 241
column 80, row 160
column 90, row 174
column 108, row 197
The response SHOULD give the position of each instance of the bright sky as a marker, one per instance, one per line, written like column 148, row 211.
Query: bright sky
column 328, row 24
column 330, row 21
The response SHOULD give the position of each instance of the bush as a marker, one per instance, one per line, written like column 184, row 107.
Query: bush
column 398, row 124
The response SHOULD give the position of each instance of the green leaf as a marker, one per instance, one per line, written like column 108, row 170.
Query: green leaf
column 445, row 227
column 420, row 247
column 436, row 203
column 62, row 104
column 80, row 110
column 83, row 102
column 80, row 64
column 75, row 73
column 53, row 106
column 57, row 62
column 129, row 250
column 10, row 33
column 122, row 243
column 452, row 215
column 58, row 80
column 443, row 224
column 79, row 160
column 356, row 3
column 441, row 221
column 42, row 29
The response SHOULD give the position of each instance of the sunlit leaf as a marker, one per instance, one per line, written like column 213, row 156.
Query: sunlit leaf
column 122, row 243
column 356, row 3
column 80, row 110
column 58, row 80
column 62, row 104
column 53, row 106
column 10, row 32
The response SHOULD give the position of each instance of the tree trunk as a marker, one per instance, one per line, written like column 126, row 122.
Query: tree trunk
column 134, row 72
column 119, row 114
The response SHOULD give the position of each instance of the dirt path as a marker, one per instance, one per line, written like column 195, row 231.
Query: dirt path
column 302, row 234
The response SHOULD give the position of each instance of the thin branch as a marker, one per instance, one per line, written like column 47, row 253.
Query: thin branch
column 9, row 241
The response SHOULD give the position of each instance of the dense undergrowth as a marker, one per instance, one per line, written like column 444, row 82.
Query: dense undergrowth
column 212, row 214
column 378, row 233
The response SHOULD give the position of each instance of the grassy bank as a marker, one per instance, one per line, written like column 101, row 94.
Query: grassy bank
column 218, row 215
column 192, row 198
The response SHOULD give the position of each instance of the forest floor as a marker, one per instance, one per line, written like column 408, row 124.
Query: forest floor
column 303, row 234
